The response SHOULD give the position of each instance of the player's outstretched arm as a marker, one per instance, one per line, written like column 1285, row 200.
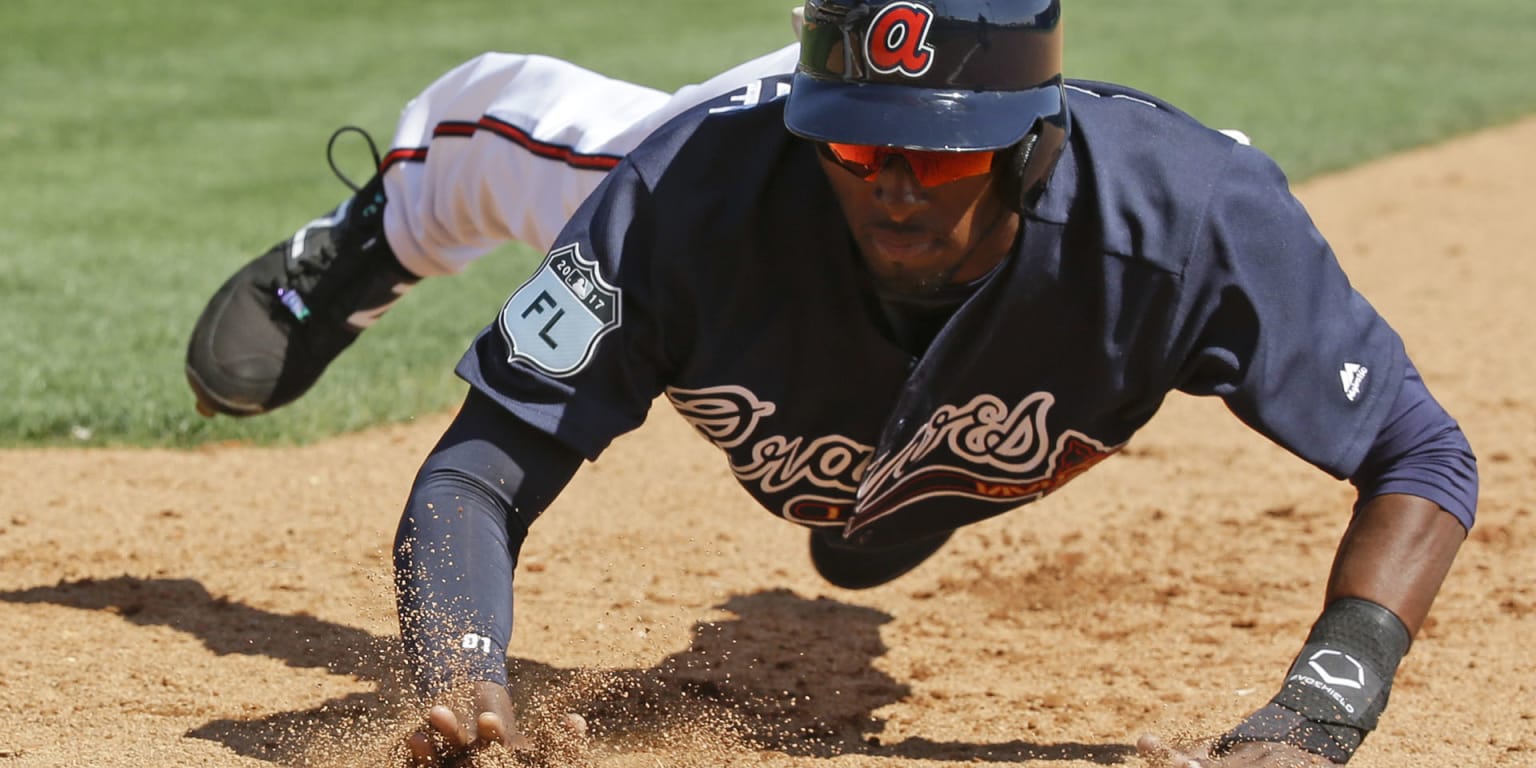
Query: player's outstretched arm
column 1389, row 567
column 456, row 551
column 1418, row 497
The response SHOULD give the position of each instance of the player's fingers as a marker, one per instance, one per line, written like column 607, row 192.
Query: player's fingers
column 421, row 751
column 1163, row 755
column 492, row 730
column 575, row 724
column 446, row 723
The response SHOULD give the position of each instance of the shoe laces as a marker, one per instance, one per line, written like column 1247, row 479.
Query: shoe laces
column 305, row 271
column 330, row 154
column 344, row 218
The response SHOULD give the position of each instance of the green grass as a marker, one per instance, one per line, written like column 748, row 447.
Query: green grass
column 152, row 148
column 1320, row 85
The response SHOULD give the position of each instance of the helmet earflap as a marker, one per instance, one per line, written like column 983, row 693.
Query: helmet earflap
column 1025, row 168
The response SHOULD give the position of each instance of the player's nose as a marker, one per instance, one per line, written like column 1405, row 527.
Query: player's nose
column 896, row 190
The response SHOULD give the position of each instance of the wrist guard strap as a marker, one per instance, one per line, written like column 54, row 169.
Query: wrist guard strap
column 1337, row 687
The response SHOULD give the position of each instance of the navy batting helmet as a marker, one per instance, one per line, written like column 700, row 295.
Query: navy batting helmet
column 952, row 75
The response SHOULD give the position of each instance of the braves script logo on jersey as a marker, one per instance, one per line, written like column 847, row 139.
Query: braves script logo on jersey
column 1013, row 443
column 996, row 453
column 898, row 40
column 556, row 318
column 828, row 468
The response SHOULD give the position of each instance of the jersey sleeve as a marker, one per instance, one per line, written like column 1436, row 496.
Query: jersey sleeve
column 583, row 347
column 1421, row 451
column 1270, row 323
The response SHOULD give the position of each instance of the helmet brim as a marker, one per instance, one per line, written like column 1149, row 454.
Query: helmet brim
column 891, row 115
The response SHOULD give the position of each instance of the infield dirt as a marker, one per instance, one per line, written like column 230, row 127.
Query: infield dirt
column 231, row 606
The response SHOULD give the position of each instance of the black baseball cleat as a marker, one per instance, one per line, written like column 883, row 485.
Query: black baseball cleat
column 273, row 327
column 853, row 567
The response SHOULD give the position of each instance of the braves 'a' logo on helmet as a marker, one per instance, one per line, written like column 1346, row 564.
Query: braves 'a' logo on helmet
column 898, row 40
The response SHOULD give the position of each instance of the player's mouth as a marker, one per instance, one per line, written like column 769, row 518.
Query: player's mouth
column 905, row 261
column 898, row 245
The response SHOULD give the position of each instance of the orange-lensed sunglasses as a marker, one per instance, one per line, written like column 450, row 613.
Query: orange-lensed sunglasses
column 931, row 168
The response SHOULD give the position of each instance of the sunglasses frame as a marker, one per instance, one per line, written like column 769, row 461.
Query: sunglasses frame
column 931, row 168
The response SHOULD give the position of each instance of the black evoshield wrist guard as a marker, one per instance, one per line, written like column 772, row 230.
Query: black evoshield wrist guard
column 1337, row 687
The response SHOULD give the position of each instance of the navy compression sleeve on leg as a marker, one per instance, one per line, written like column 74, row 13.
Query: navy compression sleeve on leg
column 457, row 543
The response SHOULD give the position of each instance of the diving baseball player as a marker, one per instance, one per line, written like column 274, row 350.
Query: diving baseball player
column 944, row 283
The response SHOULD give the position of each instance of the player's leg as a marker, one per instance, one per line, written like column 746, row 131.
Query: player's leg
column 272, row 327
column 270, row 331
column 501, row 148
column 515, row 168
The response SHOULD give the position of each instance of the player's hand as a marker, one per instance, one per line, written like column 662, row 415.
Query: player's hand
column 481, row 716
column 1253, row 754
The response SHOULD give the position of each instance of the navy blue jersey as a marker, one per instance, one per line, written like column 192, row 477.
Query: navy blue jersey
column 713, row 266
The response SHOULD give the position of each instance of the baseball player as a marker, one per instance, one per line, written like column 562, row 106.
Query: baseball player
column 944, row 282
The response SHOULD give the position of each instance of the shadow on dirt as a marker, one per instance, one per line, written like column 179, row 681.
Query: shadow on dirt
column 786, row 674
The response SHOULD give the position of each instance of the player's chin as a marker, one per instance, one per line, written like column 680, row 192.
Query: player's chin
column 904, row 248
column 909, row 260
column 902, row 283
